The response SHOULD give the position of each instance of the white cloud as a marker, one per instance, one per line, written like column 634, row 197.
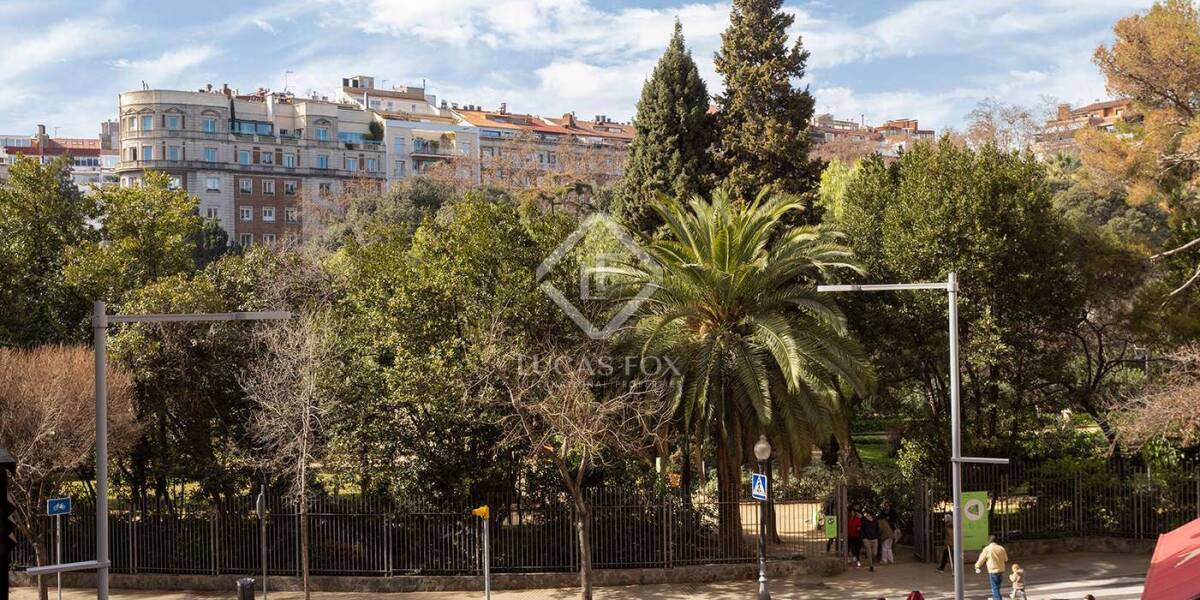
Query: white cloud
column 264, row 25
column 167, row 66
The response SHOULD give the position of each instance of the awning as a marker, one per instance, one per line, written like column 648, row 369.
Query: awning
column 1175, row 569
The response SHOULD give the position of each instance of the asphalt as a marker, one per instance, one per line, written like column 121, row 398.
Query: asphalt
column 1052, row 577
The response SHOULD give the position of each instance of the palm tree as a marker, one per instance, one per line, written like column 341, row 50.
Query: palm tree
column 736, row 310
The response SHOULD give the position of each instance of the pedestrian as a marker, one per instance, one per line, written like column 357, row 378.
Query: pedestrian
column 870, row 536
column 887, row 513
column 994, row 557
column 948, row 532
column 887, row 537
column 1018, row 582
column 854, row 533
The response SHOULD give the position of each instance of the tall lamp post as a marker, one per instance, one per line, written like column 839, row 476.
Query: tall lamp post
column 950, row 286
column 762, row 451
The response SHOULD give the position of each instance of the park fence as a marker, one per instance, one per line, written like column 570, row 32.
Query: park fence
column 364, row 536
column 1036, row 502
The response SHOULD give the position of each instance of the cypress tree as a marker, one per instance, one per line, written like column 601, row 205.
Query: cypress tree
column 670, row 152
column 763, row 118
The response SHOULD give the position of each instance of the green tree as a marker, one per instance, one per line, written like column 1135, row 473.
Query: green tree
column 146, row 232
column 831, row 195
column 367, row 213
column 42, row 215
column 986, row 214
column 671, row 149
column 210, row 242
column 758, row 349
column 763, row 118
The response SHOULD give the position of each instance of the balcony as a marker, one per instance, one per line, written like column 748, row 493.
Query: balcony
column 421, row 148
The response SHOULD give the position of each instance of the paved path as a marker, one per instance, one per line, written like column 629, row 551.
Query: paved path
column 1055, row 577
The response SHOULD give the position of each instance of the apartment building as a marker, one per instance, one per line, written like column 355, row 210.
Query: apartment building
column 418, row 135
column 249, row 159
column 1058, row 133
column 889, row 139
column 91, row 164
column 516, row 148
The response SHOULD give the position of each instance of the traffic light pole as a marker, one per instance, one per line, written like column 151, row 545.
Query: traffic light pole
column 100, row 322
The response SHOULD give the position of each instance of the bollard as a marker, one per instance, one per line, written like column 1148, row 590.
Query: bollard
column 245, row 588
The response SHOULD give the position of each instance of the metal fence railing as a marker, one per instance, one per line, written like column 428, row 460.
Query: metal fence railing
column 367, row 536
column 1119, row 500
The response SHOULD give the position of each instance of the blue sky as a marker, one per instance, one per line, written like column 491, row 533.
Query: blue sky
column 65, row 61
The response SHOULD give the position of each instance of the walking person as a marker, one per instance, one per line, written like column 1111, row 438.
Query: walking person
column 870, row 536
column 1018, row 582
column 887, row 537
column 854, row 535
column 948, row 548
column 994, row 557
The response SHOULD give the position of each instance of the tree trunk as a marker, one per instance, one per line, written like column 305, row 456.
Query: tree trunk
column 729, row 516
column 42, row 555
column 583, row 524
column 304, row 543
column 772, row 524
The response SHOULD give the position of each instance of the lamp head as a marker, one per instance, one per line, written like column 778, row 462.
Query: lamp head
column 762, row 448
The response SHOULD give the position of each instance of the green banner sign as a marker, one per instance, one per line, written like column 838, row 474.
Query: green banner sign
column 975, row 520
column 831, row 526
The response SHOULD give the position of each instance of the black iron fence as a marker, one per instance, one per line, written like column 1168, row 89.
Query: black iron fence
column 382, row 537
column 1119, row 500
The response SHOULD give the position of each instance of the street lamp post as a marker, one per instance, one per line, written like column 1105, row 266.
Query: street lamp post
column 762, row 451
column 950, row 286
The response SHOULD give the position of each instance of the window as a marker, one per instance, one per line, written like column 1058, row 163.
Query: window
column 268, row 214
column 399, row 144
column 289, row 188
column 133, row 154
column 268, row 187
column 551, row 158
column 246, row 239
column 246, row 213
column 268, row 238
column 147, row 122
column 290, row 215
column 212, row 184
column 174, row 183
column 372, row 165
column 325, row 187
column 147, row 152
column 289, row 160
column 210, row 125
column 351, row 164
column 173, row 152
column 131, row 124
column 245, row 186
column 267, row 158
column 174, row 121
column 244, row 157
column 322, row 161
column 211, row 212
column 210, row 154
column 399, row 169
column 322, row 133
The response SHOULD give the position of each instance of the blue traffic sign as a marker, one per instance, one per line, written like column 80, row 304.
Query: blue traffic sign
column 758, row 486
column 58, row 506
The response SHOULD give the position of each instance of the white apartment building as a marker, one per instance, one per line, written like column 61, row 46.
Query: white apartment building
column 417, row 133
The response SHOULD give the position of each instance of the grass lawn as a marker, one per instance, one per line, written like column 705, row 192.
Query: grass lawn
column 873, row 449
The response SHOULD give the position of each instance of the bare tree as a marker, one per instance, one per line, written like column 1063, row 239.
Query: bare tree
column 552, row 406
column 47, row 423
column 1169, row 408
column 287, row 388
column 1008, row 126
column 848, row 149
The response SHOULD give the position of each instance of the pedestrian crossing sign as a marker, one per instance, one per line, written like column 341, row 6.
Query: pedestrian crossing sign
column 758, row 486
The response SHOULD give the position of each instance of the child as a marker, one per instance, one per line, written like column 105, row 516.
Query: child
column 1018, row 582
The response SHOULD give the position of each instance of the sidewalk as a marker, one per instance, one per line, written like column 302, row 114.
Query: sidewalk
column 1053, row 577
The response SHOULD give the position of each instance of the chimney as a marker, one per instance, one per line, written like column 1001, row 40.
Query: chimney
column 1064, row 112
column 569, row 119
column 443, row 103
column 503, row 107
column 41, row 130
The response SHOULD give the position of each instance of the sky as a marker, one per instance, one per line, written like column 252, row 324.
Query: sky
column 65, row 61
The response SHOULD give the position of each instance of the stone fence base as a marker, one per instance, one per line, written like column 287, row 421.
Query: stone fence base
column 822, row 566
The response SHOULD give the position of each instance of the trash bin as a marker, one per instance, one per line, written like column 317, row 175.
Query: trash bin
column 246, row 588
